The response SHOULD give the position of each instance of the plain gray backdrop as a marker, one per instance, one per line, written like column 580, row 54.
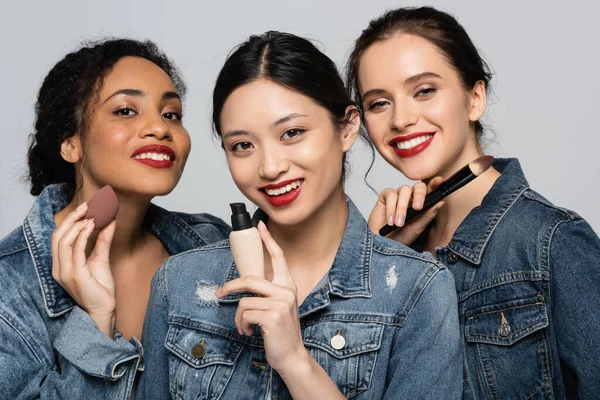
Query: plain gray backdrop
column 544, row 55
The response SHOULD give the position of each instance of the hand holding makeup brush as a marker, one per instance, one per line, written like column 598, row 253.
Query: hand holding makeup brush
column 392, row 206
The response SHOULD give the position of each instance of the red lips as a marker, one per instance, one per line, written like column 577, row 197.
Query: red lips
column 155, row 149
column 282, row 199
column 404, row 153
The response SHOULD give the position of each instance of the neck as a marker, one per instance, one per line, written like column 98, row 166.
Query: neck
column 458, row 205
column 312, row 244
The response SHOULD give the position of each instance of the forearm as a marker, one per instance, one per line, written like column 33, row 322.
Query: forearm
column 77, row 366
column 306, row 379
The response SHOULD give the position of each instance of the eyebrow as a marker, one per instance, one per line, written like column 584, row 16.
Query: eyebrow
column 286, row 119
column 409, row 81
column 234, row 134
column 138, row 93
column 280, row 121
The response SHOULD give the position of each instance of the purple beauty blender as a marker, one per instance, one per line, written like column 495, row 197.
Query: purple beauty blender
column 103, row 207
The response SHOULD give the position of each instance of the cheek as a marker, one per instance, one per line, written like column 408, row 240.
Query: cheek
column 376, row 129
column 243, row 172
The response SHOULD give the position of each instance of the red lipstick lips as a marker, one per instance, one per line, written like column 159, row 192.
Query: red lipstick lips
column 156, row 156
column 416, row 148
column 286, row 198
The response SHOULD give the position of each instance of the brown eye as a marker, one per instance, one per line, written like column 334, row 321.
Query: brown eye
column 126, row 112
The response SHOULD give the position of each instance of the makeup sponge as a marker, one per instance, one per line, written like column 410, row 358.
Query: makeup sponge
column 103, row 207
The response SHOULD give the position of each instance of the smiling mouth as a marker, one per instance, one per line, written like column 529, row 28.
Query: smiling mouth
column 283, row 189
column 153, row 156
column 412, row 143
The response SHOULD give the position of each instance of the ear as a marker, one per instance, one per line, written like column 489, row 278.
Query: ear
column 70, row 149
column 478, row 101
column 351, row 128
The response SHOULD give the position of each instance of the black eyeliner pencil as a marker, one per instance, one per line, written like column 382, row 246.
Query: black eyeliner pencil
column 463, row 176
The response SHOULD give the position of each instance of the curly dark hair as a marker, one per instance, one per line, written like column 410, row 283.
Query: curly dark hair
column 65, row 97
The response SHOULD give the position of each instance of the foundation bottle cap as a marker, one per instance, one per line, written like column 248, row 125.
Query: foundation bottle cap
column 240, row 218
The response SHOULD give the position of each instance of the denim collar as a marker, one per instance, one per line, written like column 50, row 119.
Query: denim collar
column 174, row 233
column 349, row 275
column 473, row 234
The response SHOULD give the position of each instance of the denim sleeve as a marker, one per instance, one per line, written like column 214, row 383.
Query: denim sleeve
column 574, row 259
column 154, row 383
column 88, row 364
column 426, row 360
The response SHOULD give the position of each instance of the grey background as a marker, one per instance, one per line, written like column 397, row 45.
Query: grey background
column 544, row 55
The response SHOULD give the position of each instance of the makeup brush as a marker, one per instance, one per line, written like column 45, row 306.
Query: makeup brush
column 103, row 207
column 464, row 175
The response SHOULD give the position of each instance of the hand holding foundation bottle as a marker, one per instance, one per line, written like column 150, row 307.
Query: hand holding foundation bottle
column 275, row 310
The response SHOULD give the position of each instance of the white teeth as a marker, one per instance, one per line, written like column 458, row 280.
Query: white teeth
column 409, row 144
column 284, row 189
column 153, row 156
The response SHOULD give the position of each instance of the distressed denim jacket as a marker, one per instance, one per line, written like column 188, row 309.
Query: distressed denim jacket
column 49, row 347
column 395, row 308
column 528, row 281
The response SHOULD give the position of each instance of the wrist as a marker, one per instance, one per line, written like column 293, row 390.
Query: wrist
column 297, row 366
column 105, row 323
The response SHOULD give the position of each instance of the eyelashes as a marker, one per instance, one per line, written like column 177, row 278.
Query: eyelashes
column 289, row 136
column 423, row 93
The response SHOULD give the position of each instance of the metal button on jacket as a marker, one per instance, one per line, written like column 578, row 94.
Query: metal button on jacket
column 199, row 349
column 338, row 342
column 504, row 328
column 452, row 258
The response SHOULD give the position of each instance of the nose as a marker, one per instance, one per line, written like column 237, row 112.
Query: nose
column 156, row 126
column 273, row 162
column 404, row 116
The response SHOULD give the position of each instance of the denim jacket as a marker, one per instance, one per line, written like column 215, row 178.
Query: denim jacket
column 49, row 347
column 395, row 308
column 528, row 281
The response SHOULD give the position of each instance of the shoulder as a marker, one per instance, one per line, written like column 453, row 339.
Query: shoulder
column 536, row 218
column 13, row 243
column 192, row 230
column 211, row 262
column 402, row 277
column 15, row 258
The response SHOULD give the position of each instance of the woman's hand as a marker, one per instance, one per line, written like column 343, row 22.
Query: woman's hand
column 392, row 205
column 88, row 280
column 275, row 312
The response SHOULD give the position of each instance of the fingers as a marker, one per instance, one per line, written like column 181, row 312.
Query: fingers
column 434, row 183
column 404, row 198
column 59, row 233
column 249, row 283
column 78, row 254
column 281, row 273
column 389, row 197
column 246, row 304
column 65, row 248
column 419, row 192
column 413, row 229
column 101, row 250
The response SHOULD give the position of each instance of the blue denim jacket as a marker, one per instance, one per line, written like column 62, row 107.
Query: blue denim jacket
column 528, row 281
column 49, row 347
column 396, row 309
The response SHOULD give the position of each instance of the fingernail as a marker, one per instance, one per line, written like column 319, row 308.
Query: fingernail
column 390, row 220
column 417, row 205
column 218, row 292
column 81, row 206
column 89, row 222
column 400, row 220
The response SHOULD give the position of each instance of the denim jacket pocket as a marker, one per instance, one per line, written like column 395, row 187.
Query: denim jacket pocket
column 347, row 351
column 203, row 362
column 506, row 334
